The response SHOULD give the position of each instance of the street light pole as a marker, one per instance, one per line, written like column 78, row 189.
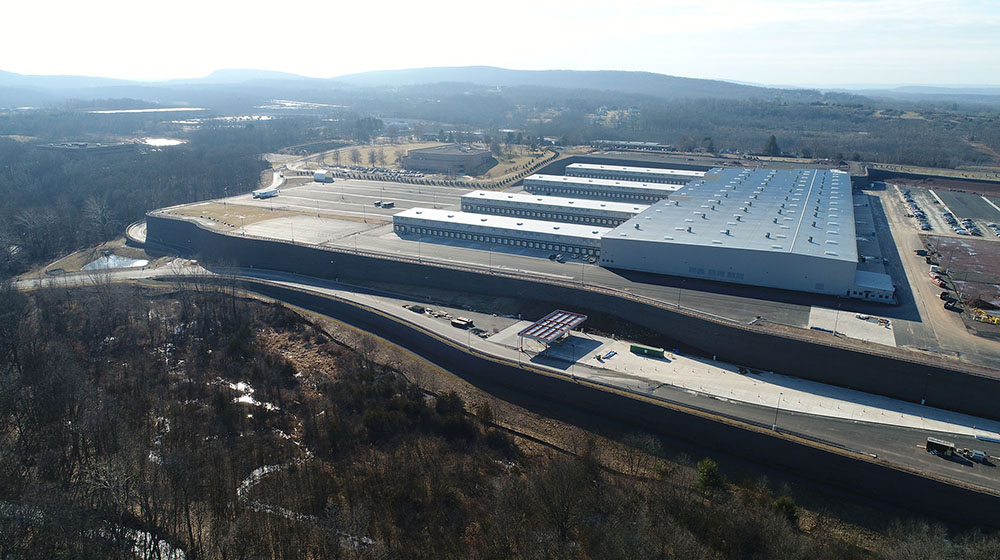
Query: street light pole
column 774, row 426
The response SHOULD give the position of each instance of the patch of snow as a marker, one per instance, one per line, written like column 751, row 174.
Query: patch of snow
column 114, row 261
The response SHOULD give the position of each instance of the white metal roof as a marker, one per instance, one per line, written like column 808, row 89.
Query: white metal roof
column 679, row 173
column 505, row 222
column 802, row 211
column 552, row 326
column 876, row 280
column 568, row 203
column 597, row 183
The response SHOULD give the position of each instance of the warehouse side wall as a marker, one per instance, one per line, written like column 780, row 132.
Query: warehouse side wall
column 727, row 264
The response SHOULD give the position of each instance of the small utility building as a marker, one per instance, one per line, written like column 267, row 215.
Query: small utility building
column 452, row 159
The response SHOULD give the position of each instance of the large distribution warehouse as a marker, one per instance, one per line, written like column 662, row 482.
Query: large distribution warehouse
column 554, row 208
column 787, row 229
column 501, row 230
column 603, row 189
column 619, row 172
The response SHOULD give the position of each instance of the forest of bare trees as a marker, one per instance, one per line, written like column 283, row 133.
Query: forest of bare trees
column 143, row 423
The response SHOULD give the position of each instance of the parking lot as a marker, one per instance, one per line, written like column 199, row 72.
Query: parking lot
column 355, row 198
column 949, row 213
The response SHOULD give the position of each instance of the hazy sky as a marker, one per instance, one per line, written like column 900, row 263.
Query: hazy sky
column 789, row 42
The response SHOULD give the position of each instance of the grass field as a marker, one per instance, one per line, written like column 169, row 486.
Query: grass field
column 392, row 154
column 235, row 214
column 512, row 162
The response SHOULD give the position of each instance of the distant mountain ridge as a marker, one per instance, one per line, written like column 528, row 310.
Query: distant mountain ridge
column 645, row 83
column 11, row 79
column 18, row 89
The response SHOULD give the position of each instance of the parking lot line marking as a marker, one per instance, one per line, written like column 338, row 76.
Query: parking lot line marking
column 990, row 202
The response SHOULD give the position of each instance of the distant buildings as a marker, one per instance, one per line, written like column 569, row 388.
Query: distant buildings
column 452, row 159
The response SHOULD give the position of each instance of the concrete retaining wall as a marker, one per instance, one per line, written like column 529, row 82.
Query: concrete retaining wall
column 854, row 474
column 887, row 175
column 912, row 381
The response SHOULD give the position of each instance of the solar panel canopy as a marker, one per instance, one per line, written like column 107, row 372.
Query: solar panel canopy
column 552, row 326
